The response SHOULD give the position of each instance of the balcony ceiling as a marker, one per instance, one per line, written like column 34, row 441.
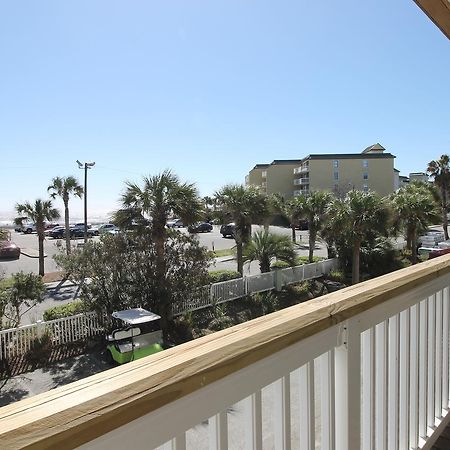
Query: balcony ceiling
column 439, row 12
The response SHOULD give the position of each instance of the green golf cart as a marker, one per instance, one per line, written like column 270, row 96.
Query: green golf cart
column 139, row 334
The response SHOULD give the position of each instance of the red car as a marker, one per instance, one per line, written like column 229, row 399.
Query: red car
column 9, row 250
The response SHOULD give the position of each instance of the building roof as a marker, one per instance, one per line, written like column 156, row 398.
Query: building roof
column 285, row 161
column 349, row 156
column 375, row 147
column 396, row 170
column 261, row 166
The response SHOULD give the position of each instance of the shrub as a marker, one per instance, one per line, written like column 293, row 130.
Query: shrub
column 304, row 260
column 336, row 275
column 217, row 276
column 61, row 311
column 279, row 265
column 267, row 301
column 221, row 319
column 40, row 349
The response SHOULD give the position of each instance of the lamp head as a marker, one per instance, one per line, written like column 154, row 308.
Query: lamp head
column 79, row 164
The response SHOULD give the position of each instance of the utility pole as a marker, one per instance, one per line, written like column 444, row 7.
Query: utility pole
column 85, row 166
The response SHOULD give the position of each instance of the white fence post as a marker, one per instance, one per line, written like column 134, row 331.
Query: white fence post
column 40, row 327
column 348, row 388
column 278, row 279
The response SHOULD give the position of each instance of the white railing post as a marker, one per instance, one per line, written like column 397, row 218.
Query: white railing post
column 348, row 388
column 218, row 431
column 278, row 279
column 40, row 326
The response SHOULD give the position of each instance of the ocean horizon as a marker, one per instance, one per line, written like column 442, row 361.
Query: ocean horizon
column 7, row 222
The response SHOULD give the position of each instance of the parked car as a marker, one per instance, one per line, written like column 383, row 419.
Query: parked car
column 228, row 229
column 29, row 228
column 78, row 230
column 50, row 226
column 200, row 227
column 175, row 223
column 107, row 228
column 302, row 224
column 9, row 250
column 57, row 232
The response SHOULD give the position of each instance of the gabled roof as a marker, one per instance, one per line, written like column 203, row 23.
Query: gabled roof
column 375, row 147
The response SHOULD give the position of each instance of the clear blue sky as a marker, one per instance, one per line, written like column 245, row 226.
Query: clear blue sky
column 209, row 88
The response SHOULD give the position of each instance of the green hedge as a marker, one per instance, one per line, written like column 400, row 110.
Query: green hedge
column 305, row 260
column 69, row 309
column 217, row 276
column 280, row 265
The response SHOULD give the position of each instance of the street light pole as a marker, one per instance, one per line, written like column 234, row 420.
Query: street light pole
column 85, row 166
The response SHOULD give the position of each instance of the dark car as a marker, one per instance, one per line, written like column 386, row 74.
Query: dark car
column 228, row 229
column 302, row 224
column 9, row 250
column 200, row 227
column 78, row 230
column 57, row 232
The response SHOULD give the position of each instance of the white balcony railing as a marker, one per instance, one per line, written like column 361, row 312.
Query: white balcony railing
column 365, row 367
column 301, row 181
column 301, row 169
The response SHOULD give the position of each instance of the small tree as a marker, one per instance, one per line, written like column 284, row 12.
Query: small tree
column 440, row 171
column 39, row 213
column 314, row 208
column 160, row 196
column 244, row 205
column 19, row 295
column 414, row 210
column 123, row 272
column 357, row 217
column 64, row 187
column 265, row 246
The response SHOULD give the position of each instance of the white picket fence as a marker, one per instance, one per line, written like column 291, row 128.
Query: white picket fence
column 17, row 341
column 226, row 291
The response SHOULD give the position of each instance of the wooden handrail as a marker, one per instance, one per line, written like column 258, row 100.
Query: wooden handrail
column 74, row 414
column 439, row 12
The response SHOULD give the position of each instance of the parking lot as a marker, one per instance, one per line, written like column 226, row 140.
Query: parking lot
column 28, row 261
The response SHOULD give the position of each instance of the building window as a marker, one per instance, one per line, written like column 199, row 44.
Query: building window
column 365, row 164
column 365, row 176
column 365, row 188
column 336, row 175
column 264, row 173
column 335, row 164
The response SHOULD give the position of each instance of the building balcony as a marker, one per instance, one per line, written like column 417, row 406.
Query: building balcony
column 365, row 366
column 301, row 181
column 301, row 169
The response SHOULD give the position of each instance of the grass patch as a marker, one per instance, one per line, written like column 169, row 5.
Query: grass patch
column 224, row 252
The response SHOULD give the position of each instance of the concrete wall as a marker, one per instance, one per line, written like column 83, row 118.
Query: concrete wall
column 280, row 179
column 350, row 171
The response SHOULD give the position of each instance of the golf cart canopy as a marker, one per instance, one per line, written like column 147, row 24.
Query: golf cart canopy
column 135, row 316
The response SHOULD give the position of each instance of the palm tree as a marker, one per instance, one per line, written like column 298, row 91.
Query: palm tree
column 161, row 196
column 414, row 210
column 264, row 246
column 244, row 205
column 39, row 213
column 64, row 187
column 314, row 208
column 440, row 171
column 359, row 215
